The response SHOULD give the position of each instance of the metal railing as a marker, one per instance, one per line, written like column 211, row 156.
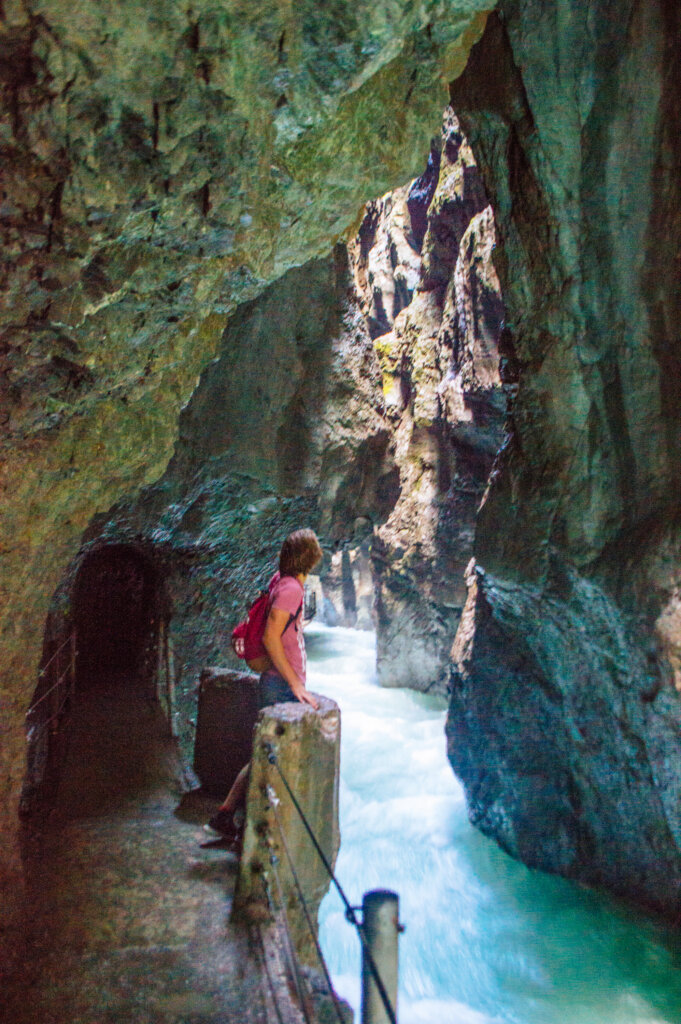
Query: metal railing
column 62, row 689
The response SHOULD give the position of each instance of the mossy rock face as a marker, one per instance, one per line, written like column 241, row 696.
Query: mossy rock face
column 162, row 164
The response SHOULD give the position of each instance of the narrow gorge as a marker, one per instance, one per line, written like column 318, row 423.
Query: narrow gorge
column 254, row 278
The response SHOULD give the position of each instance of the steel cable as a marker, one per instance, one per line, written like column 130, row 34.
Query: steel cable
column 38, row 730
column 303, row 902
column 349, row 909
column 54, row 655
column 59, row 681
column 270, row 983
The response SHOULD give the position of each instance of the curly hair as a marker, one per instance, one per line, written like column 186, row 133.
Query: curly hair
column 299, row 554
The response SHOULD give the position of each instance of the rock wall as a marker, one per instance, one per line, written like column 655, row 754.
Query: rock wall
column 347, row 591
column 430, row 293
column 162, row 165
column 564, row 721
column 286, row 427
column 163, row 168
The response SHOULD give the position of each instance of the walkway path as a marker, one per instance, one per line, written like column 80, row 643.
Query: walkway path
column 129, row 916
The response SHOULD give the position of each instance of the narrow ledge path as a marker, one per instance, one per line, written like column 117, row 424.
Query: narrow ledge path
column 128, row 915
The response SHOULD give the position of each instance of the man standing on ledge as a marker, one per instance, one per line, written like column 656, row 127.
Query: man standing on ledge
column 283, row 669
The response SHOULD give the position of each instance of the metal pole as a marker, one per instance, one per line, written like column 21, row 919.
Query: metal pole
column 380, row 924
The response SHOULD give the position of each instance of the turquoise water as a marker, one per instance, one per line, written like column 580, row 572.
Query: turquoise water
column 487, row 940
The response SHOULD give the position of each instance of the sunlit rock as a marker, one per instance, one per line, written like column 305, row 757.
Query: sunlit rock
column 439, row 363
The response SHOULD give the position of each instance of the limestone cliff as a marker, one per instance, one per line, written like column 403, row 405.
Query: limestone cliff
column 565, row 715
column 164, row 168
column 429, row 290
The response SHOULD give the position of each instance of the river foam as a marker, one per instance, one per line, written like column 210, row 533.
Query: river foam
column 487, row 940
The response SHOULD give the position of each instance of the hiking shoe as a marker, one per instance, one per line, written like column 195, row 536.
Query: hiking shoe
column 224, row 824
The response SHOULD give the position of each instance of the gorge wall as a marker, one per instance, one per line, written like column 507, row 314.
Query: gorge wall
column 161, row 166
column 286, row 426
column 430, row 294
column 187, row 369
column 565, row 719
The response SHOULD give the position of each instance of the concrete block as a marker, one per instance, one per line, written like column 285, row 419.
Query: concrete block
column 227, row 710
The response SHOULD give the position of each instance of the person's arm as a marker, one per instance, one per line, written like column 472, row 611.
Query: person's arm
column 274, row 628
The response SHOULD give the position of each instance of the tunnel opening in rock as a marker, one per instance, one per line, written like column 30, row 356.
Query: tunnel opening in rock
column 115, row 617
column 105, row 693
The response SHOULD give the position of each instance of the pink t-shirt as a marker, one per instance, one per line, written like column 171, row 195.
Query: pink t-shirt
column 287, row 593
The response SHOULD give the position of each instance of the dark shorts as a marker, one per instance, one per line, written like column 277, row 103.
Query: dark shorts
column 273, row 689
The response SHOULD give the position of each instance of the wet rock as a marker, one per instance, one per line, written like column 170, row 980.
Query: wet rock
column 387, row 261
column 458, row 197
column 161, row 167
column 421, row 194
column 349, row 588
column 564, row 753
column 576, row 679
column 260, row 454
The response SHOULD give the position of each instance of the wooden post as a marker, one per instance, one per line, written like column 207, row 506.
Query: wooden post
column 299, row 737
column 380, row 923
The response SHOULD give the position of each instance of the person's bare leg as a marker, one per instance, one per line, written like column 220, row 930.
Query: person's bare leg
column 237, row 794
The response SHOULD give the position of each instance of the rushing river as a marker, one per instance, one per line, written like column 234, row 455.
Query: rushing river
column 487, row 940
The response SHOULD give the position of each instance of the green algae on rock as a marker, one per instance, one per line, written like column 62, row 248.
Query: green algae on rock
column 161, row 165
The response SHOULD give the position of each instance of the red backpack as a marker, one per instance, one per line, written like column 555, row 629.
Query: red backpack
column 247, row 636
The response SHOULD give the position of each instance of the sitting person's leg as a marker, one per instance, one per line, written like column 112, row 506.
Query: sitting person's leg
column 272, row 689
column 223, row 821
column 237, row 794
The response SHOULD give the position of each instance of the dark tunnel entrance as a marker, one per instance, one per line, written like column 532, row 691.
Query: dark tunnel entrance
column 115, row 614
column 100, row 727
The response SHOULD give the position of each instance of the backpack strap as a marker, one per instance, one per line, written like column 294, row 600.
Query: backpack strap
column 292, row 618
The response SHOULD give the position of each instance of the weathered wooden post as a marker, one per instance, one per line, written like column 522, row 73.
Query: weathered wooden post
column 381, row 927
column 306, row 747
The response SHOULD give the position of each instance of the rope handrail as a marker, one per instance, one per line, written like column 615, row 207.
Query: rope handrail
column 349, row 909
column 69, row 640
column 303, row 902
column 56, row 653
